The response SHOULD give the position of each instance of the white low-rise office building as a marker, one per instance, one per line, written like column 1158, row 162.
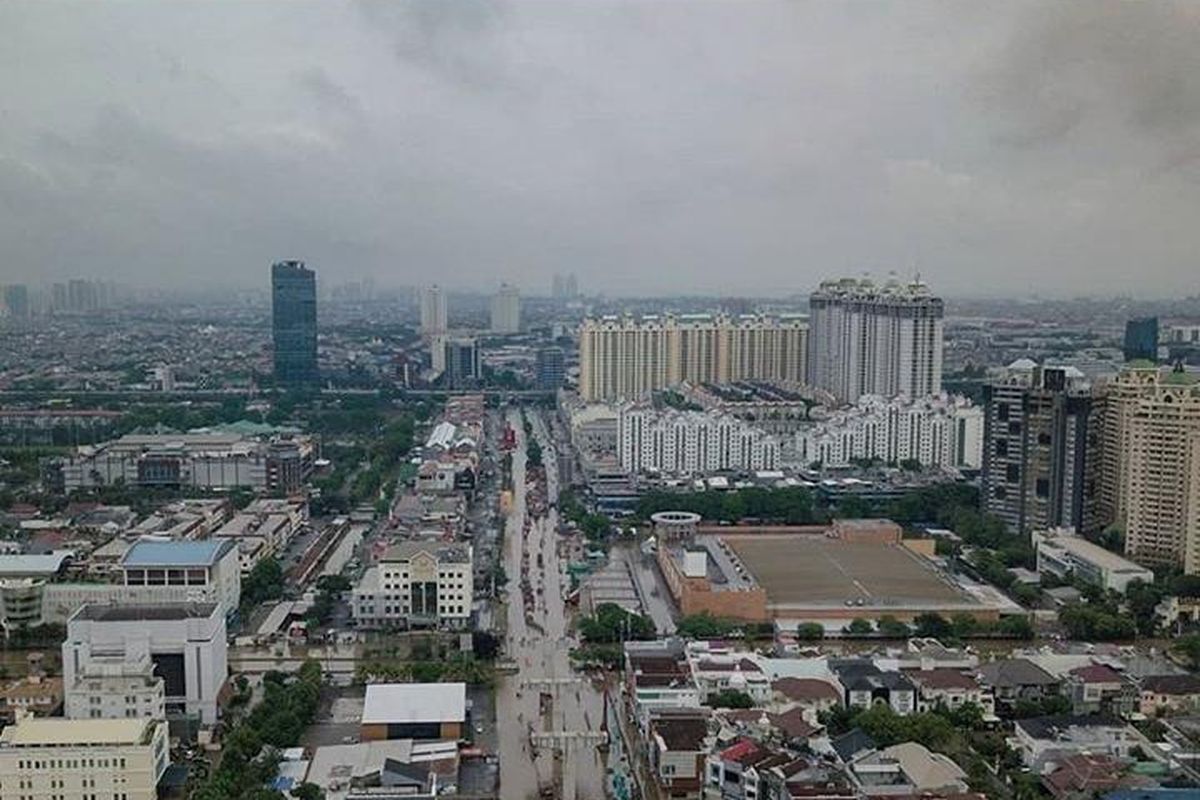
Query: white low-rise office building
column 416, row 584
column 76, row 759
column 1063, row 554
column 108, row 647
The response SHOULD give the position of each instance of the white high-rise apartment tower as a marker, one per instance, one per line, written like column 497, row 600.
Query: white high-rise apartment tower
column 506, row 310
column 433, row 311
column 872, row 339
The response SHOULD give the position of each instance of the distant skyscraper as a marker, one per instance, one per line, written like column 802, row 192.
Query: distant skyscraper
column 1141, row 339
column 506, row 310
column 564, row 287
column 59, row 297
column 1041, row 455
column 550, row 367
column 433, row 311
column 294, row 322
column 16, row 300
column 462, row 363
column 621, row 358
column 871, row 339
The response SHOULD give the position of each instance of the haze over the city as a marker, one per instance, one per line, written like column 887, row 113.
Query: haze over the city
column 748, row 148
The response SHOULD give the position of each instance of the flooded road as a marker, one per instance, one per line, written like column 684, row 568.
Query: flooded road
column 546, row 696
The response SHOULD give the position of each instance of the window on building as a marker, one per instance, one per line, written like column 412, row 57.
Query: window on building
column 1042, row 487
column 1012, row 473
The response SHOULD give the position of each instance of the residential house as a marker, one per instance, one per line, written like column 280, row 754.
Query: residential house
column 679, row 741
column 1169, row 693
column 811, row 695
column 1043, row 741
column 865, row 685
column 714, row 674
column 907, row 769
column 658, row 676
column 951, row 688
column 742, row 771
column 1017, row 679
column 1084, row 775
column 1098, row 688
column 37, row 695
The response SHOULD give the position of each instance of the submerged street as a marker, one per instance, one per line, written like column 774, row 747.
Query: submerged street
column 546, row 709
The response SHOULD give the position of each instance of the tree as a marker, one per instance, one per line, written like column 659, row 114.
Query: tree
column 611, row 623
column 1016, row 626
column 810, row 631
column 858, row 627
column 1189, row 647
column 308, row 791
column 1086, row 622
column 730, row 698
column 265, row 582
column 892, row 628
column 704, row 626
column 931, row 625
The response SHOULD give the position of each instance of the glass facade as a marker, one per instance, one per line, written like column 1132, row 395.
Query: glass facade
column 294, row 322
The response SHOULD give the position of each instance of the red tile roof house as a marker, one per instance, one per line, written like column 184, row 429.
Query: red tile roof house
column 1084, row 776
column 736, row 772
column 951, row 688
column 1169, row 693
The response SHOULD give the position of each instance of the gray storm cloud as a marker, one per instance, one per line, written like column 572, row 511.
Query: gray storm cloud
column 724, row 147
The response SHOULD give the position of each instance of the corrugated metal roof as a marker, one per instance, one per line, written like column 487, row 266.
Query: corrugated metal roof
column 415, row 702
column 177, row 554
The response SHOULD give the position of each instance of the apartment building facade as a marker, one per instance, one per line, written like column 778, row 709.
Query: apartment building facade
column 623, row 358
column 868, row 338
column 1042, row 449
column 1151, row 476
column 691, row 442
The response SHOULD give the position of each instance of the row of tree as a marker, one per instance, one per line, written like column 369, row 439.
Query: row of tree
column 249, row 754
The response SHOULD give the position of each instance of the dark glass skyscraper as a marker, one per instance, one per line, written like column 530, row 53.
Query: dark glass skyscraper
column 1141, row 339
column 294, row 322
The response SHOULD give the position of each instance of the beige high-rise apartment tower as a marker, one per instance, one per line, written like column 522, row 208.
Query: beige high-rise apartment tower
column 1151, row 465
column 621, row 358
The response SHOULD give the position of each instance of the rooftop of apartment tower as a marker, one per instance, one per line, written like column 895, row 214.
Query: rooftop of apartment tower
column 867, row 286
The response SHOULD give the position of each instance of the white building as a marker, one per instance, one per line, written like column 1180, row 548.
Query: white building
column 108, row 648
column 691, row 442
column 433, row 311
column 1063, row 554
column 202, row 459
column 74, row 759
column 209, row 569
column 152, row 572
column 506, row 310
column 416, row 584
column 872, row 339
column 935, row 430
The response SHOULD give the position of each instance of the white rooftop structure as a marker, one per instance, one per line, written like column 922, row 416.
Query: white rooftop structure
column 415, row 702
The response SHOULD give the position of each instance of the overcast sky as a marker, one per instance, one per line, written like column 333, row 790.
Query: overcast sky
column 650, row 147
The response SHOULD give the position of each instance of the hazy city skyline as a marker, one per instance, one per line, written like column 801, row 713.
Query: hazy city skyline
column 752, row 149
